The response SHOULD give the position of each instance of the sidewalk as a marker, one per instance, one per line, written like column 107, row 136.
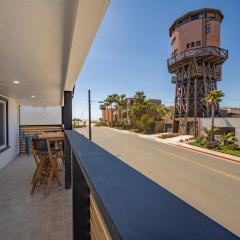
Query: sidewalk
column 175, row 141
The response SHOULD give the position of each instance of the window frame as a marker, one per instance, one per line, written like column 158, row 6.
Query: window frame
column 208, row 28
column 173, row 40
column 6, row 126
column 198, row 43
column 194, row 17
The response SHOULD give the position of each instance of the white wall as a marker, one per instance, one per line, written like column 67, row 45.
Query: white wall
column 9, row 154
column 221, row 122
column 40, row 115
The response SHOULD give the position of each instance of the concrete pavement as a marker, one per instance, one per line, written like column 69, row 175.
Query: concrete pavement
column 206, row 183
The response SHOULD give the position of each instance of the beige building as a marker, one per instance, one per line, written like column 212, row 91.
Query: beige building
column 230, row 112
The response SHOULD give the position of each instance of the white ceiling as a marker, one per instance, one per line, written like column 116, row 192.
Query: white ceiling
column 43, row 44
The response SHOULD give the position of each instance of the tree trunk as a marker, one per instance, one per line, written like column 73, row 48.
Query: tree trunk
column 212, row 127
column 117, row 111
column 120, row 113
column 108, row 115
column 112, row 112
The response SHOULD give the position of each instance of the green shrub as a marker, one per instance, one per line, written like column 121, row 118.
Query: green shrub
column 101, row 123
column 212, row 144
column 234, row 152
column 168, row 135
column 147, row 124
column 125, row 124
column 226, row 139
column 120, row 124
column 232, row 146
column 230, row 151
column 138, row 130
column 79, row 126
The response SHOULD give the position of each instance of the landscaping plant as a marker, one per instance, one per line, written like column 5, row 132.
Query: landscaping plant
column 212, row 100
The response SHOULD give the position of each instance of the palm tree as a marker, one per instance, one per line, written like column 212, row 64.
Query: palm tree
column 212, row 100
column 168, row 110
column 110, row 101
column 122, row 102
column 157, row 110
column 139, row 97
column 115, row 98
column 102, row 108
column 74, row 122
column 107, row 104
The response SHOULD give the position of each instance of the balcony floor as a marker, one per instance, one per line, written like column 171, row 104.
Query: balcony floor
column 36, row 217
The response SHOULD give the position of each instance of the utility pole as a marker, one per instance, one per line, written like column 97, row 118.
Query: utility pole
column 89, row 116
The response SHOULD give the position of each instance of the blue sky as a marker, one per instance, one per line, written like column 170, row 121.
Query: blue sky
column 132, row 46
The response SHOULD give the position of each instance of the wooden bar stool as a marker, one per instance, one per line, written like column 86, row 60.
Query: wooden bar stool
column 46, row 162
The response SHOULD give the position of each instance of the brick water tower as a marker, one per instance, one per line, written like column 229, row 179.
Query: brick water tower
column 196, row 64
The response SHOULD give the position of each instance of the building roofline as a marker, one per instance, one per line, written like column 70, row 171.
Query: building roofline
column 202, row 10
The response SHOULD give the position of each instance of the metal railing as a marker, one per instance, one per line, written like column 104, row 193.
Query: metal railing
column 211, row 50
column 131, row 205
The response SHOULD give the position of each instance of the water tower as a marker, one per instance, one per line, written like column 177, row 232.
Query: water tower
column 196, row 64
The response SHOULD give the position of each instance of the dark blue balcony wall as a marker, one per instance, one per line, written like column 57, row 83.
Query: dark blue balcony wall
column 67, row 123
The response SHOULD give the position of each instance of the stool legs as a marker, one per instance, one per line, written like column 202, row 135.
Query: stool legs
column 37, row 175
column 53, row 173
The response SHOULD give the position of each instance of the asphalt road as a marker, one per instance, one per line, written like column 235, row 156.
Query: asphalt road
column 210, row 184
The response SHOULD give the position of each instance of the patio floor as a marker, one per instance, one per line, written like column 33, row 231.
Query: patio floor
column 36, row 217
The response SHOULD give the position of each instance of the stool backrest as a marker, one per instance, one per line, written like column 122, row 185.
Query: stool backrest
column 35, row 136
column 39, row 144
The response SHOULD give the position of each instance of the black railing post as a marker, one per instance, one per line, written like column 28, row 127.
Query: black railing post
column 67, row 121
column 62, row 115
column 89, row 116
column 81, row 203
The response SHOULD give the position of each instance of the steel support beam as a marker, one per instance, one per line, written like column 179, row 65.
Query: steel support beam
column 67, row 112
column 67, row 122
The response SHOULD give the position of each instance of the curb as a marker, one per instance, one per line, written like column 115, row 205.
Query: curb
column 211, row 154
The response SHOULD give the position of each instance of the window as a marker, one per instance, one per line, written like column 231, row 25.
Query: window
column 198, row 43
column 186, row 20
column 210, row 15
column 192, row 44
column 194, row 17
column 208, row 28
column 3, row 123
column 225, row 130
column 188, row 45
column 173, row 40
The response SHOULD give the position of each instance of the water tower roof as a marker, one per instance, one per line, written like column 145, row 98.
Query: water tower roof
column 192, row 13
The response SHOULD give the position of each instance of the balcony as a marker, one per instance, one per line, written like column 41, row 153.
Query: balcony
column 108, row 200
column 101, row 197
column 216, row 54
column 44, row 47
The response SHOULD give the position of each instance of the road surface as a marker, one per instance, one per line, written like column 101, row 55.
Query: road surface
column 209, row 184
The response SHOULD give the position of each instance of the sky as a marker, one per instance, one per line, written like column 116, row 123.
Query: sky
column 131, row 49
